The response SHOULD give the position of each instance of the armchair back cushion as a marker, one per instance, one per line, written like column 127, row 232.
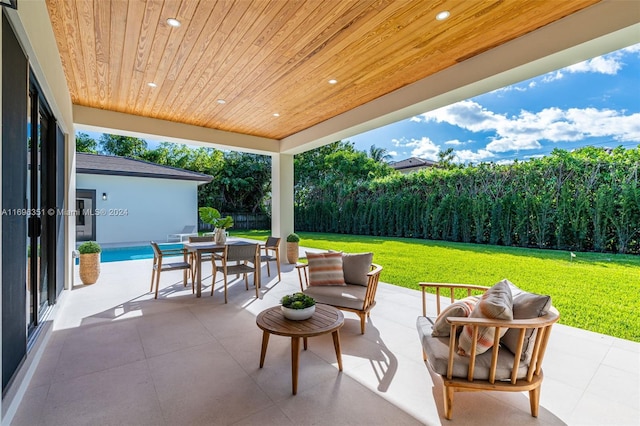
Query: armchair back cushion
column 525, row 306
column 325, row 269
column 495, row 303
column 355, row 267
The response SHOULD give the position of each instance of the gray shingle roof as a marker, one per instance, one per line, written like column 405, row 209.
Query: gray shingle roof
column 94, row 164
column 411, row 163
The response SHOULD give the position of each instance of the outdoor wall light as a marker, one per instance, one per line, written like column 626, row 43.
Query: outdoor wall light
column 13, row 4
column 104, row 196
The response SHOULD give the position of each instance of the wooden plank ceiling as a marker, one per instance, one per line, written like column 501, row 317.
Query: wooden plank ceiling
column 272, row 57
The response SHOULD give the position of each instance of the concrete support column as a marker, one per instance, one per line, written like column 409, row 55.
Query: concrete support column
column 282, row 217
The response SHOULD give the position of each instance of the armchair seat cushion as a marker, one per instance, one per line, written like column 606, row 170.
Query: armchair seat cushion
column 347, row 296
column 437, row 350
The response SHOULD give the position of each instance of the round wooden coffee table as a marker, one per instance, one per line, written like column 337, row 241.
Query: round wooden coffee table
column 326, row 319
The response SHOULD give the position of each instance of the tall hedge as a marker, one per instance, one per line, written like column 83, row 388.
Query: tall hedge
column 586, row 200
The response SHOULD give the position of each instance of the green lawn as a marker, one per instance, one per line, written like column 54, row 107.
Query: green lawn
column 594, row 291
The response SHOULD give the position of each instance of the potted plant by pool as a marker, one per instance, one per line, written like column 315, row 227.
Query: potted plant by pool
column 293, row 246
column 89, row 261
column 220, row 224
column 298, row 306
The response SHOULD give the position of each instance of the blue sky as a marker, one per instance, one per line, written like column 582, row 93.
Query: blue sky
column 596, row 102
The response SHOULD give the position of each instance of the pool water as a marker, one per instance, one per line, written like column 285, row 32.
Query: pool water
column 116, row 254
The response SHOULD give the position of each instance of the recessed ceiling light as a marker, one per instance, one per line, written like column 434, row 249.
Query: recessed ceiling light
column 221, row 101
column 275, row 114
column 333, row 81
column 443, row 15
column 152, row 84
column 173, row 22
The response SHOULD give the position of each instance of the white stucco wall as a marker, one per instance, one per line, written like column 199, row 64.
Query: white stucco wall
column 141, row 209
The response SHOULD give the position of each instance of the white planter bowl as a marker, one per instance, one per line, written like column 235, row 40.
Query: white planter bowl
column 298, row 314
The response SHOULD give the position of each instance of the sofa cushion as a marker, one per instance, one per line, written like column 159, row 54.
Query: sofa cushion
column 325, row 269
column 495, row 303
column 460, row 308
column 437, row 350
column 347, row 296
column 355, row 267
column 525, row 306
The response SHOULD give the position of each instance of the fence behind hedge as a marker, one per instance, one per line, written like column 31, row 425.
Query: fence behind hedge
column 584, row 201
column 241, row 221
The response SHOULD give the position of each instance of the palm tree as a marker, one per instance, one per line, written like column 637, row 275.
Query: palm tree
column 379, row 154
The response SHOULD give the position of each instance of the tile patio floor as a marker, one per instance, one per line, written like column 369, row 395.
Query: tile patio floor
column 116, row 356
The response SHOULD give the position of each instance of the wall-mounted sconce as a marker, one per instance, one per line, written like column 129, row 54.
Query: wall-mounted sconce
column 13, row 4
column 104, row 196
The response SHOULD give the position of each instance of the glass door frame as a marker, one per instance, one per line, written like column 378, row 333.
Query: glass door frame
column 41, row 182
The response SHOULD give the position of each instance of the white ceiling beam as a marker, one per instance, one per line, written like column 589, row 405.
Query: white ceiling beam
column 103, row 121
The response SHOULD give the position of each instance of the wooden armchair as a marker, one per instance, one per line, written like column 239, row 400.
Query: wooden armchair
column 513, row 363
column 359, row 297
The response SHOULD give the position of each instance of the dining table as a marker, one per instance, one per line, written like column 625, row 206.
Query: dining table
column 197, row 249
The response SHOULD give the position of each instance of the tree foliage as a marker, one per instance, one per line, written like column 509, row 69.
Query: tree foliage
column 85, row 143
column 337, row 168
column 123, row 146
column 588, row 199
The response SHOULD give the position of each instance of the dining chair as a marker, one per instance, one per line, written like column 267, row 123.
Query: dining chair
column 271, row 253
column 246, row 257
column 160, row 265
column 203, row 256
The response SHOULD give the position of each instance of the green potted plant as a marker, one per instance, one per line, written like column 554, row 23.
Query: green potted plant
column 298, row 306
column 293, row 246
column 89, row 261
column 213, row 217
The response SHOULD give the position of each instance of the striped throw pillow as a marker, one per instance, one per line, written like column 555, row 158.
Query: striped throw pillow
column 325, row 268
column 495, row 303
column 461, row 308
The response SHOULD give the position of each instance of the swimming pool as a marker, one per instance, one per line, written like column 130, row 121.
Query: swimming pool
column 116, row 254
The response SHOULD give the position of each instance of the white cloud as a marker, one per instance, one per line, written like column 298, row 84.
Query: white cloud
column 525, row 130
column 607, row 64
column 632, row 49
column 504, row 162
column 454, row 142
column 465, row 155
column 598, row 123
column 466, row 114
column 423, row 148
column 552, row 76
column 512, row 144
column 511, row 89
column 393, row 153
